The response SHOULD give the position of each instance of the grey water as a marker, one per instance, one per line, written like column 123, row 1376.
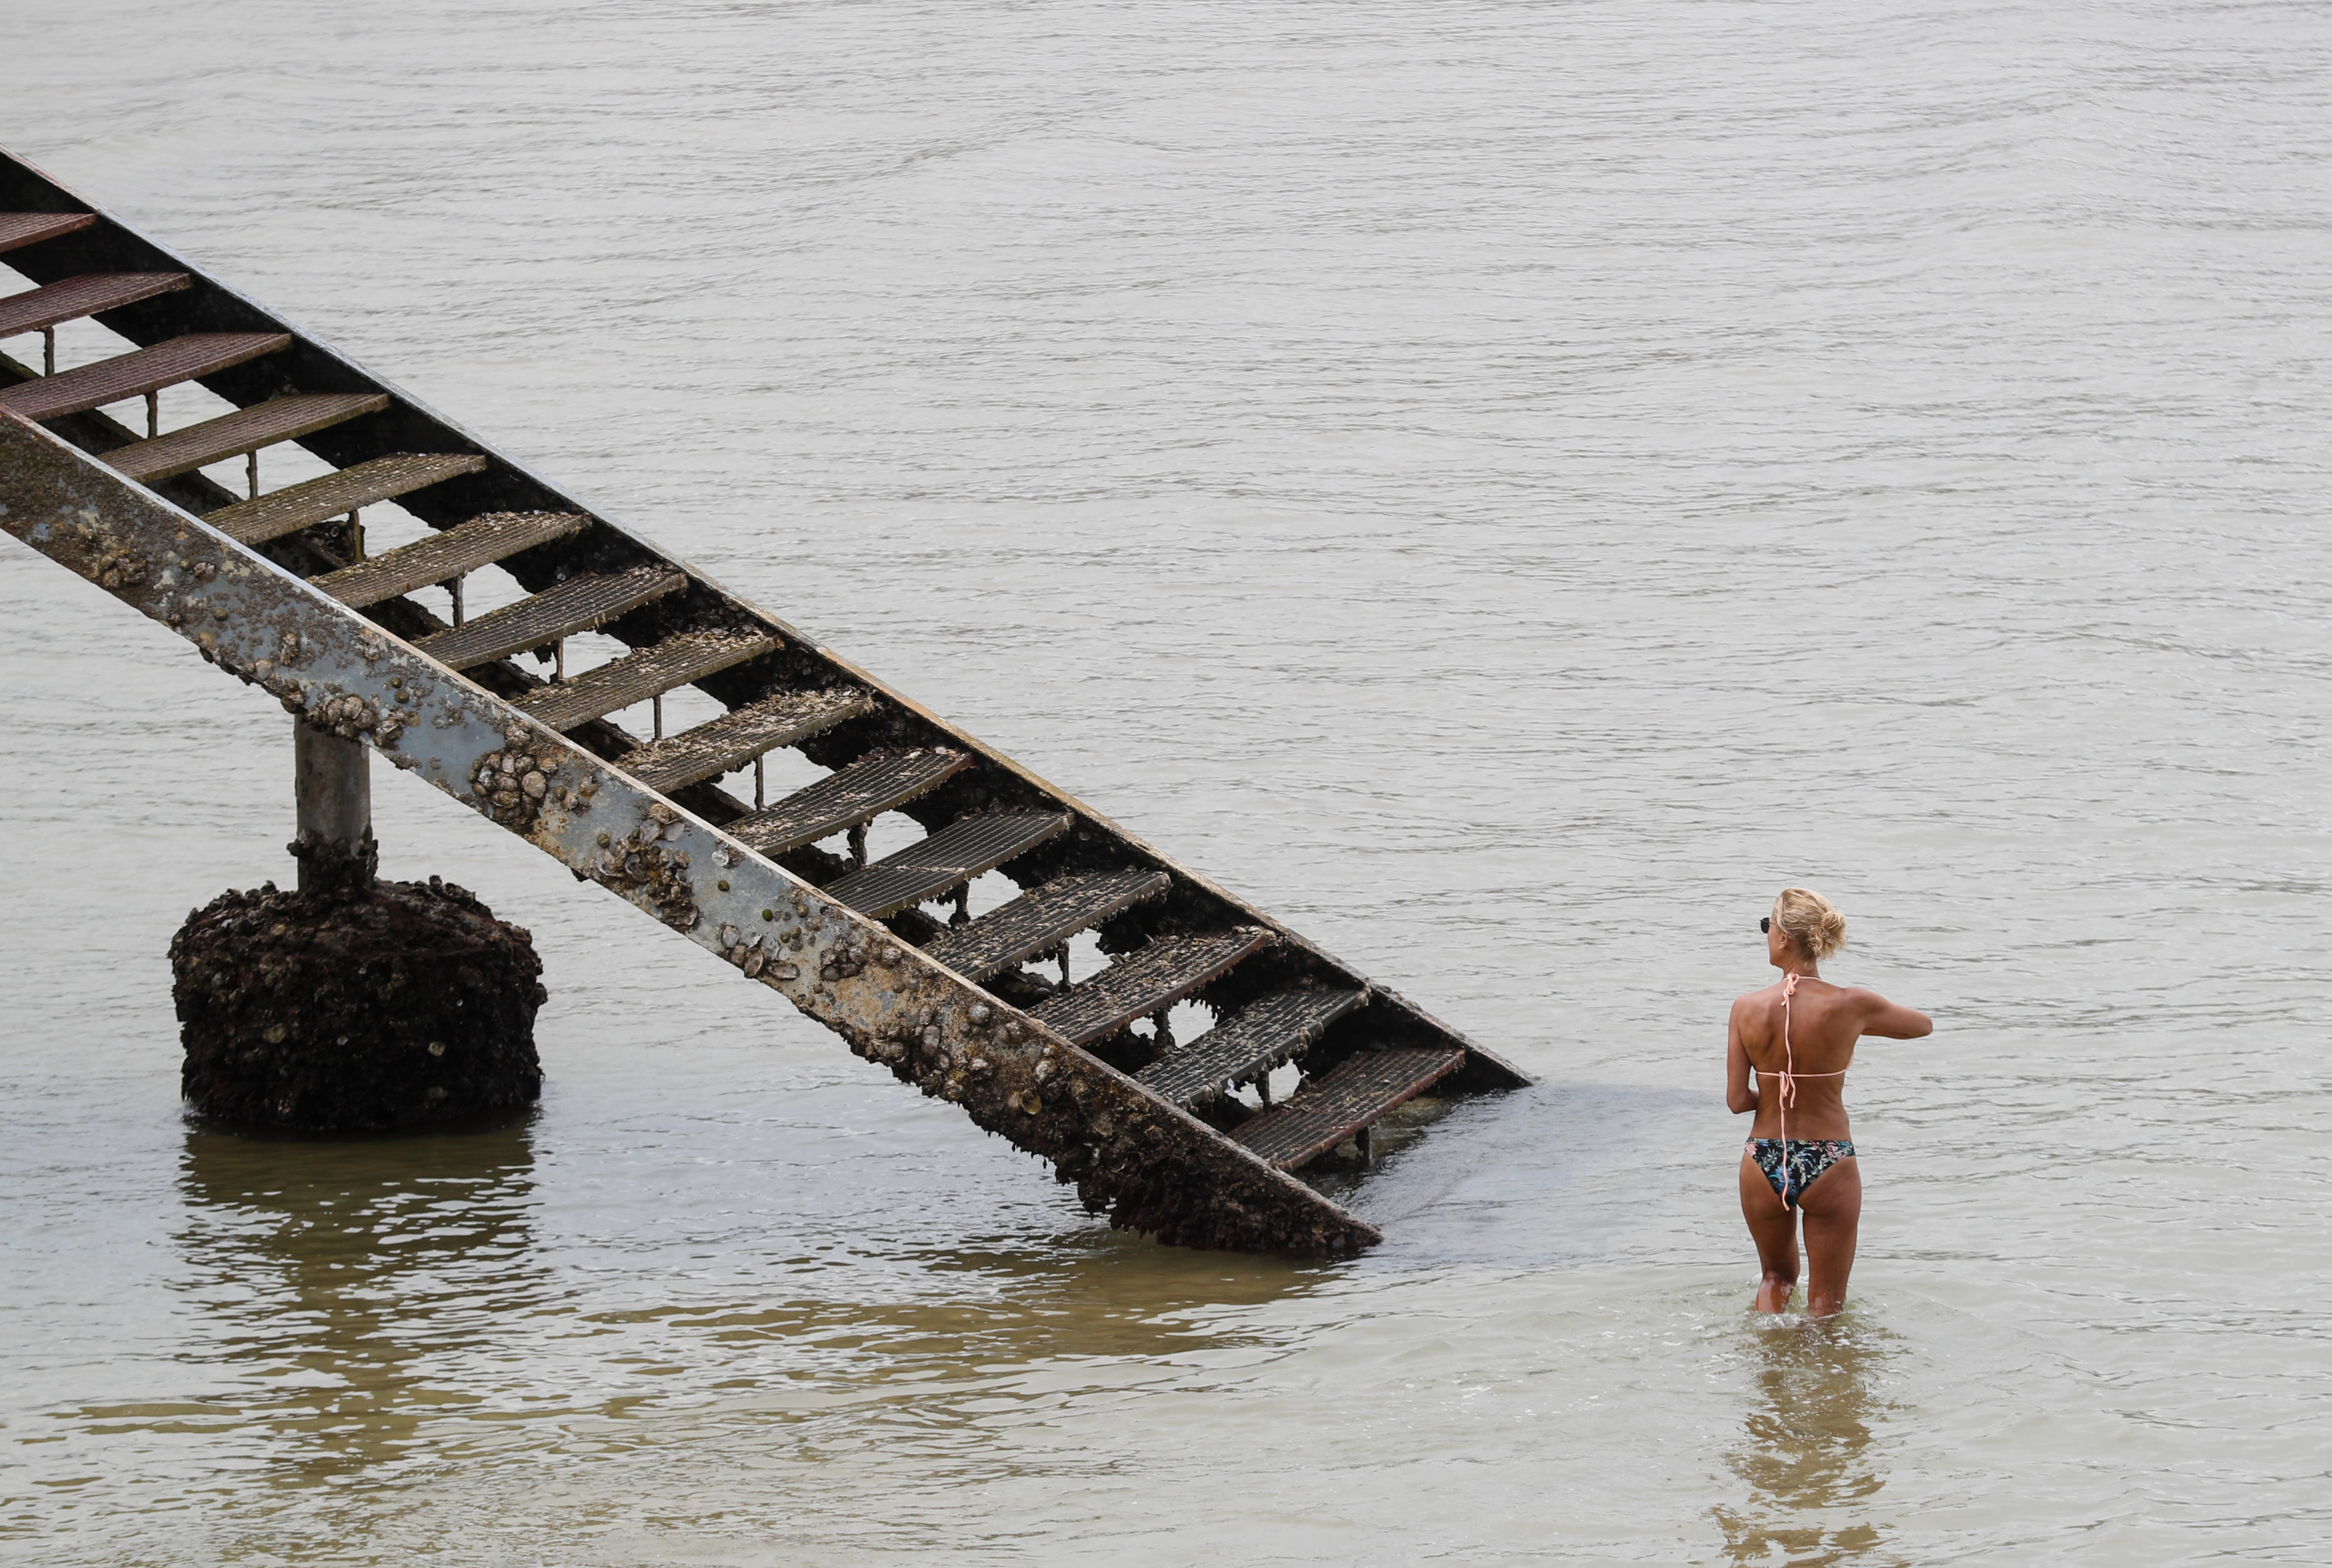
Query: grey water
column 1504, row 486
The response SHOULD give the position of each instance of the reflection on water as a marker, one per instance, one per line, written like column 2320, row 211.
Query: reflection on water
column 1809, row 1455
column 393, row 1303
column 338, row 1274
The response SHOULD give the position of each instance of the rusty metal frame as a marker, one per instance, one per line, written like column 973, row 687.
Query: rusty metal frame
column 1151, row 1165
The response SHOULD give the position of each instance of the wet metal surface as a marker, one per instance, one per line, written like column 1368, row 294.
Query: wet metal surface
column 717, row 745
column 578, row 604
column 1258, row 1037
column 1041, row 918
column 31, row 228
column 642, row 673
column 86, row 295
column 463, row 547
column 244, row 430
column 1338, row 1104
column 846, row 798
column 1137, row 985
column 297, row 506
column 934, row 865
column 83, row 388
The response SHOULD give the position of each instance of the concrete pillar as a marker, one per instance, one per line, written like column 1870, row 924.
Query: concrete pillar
column 332, row 786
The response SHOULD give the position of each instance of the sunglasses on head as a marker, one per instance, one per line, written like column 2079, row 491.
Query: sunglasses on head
column 1766, row 925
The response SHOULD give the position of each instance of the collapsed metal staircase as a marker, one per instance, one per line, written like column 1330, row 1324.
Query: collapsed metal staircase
column 277, row 587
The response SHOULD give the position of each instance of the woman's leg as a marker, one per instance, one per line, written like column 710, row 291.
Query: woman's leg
column 1773, row 1227
column 1833, row 1210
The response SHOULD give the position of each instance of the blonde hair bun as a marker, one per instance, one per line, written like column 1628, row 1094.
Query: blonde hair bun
column 1810, row 921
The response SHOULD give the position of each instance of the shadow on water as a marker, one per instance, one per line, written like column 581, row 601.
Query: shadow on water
column 339, row 1277
column 1810, row 1453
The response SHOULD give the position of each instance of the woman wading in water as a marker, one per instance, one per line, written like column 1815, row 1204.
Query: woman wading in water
column 1798, row 1036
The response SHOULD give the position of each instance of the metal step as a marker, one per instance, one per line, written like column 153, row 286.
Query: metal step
column 863, row 791
column 137, row 373
column 70, row 299
column 722, row 745
column 1324, row 1113
column 1041, row 919
column 31, row 228
column 642, row 673
column 1140, row 984
column 1252, row 1041
column 956, row 853
column 443, row 557
column 241, row 433
column 581, row 603
column 335, row 495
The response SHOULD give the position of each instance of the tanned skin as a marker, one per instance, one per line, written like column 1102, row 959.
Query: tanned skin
column 1825, row 1021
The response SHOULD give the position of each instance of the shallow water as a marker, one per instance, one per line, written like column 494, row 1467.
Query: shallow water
column 1506, row 487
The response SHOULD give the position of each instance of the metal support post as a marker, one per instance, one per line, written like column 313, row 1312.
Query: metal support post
column 333, row 786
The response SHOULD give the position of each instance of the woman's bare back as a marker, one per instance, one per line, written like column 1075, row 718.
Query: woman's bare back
column 1825, row 1021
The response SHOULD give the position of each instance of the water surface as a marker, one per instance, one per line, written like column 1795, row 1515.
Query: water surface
column 1504, row 486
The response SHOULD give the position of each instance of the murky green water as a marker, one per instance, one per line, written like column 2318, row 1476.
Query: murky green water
column 1504, row 486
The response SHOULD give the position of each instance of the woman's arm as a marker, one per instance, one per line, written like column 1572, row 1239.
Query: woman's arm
column 1889, row 1021
column 1738, row 1096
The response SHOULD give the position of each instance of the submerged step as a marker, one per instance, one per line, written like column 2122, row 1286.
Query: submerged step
column 244, row 431
column 70, row 299
column 1141, row 983
column 442, row 557
column 1256, row 1039
column 1041, row 919
column 335, row 495
column 724, row 744
column 956, row 853
column 138, row 372
column 858, row 793
column 1324, row 1113
column 642, row 673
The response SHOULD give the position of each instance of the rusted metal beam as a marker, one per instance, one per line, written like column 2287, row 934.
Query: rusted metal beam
column 1147, row 1162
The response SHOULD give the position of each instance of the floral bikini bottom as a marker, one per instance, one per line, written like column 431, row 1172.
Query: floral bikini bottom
column 1793, row 1166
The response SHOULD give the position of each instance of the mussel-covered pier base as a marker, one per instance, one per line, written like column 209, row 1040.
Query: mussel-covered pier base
column 351, row 1004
